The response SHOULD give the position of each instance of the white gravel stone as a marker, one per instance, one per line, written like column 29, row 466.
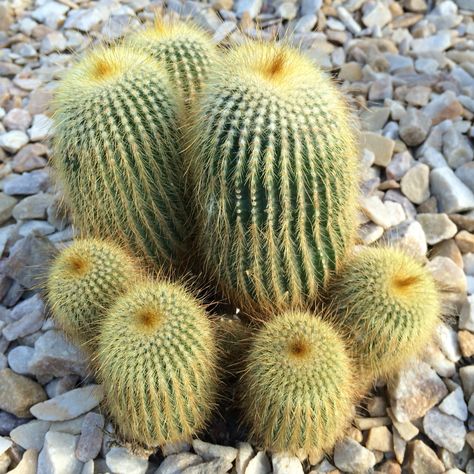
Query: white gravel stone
column 54, row 355
column 414, row 127
column 284, row 464
column 350, row 456
column 176, row 463
column 90, row 441
column 212, row 451
column 41, row 128
column 466, row 317
column 410, row 236
column 253, row 7
column 455, row 405
column 415, row 390
column 259, row 464
column 69, row 405
column 31, row 435
column 19, row 359
column 452, row 194
column 121, row 461
column 5, row 444
column 379, row 16
column 376, row 211
column 437, row 227
column 447, row 339
column 244, row 455
column 216, row 466
column 415, row 184
column 13, row 141
column 444, row 430
column 439, row 42
column 57, row 455
column 456, row 148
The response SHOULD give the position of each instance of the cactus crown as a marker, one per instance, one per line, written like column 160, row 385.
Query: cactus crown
column 299, row 385
column 389, row 304
column 84, row 281
column 272, row 145
column 185, row 49
column 156, row 359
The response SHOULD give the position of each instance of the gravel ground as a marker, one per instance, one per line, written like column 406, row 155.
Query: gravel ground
column 408, row 68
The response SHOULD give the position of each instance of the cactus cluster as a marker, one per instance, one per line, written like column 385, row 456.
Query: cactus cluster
column 242, row 167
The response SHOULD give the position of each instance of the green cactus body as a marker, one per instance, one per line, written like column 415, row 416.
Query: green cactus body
column 116, row 152
column 156, row 360
column 298, row 385
column 187, row 52
column 274, row 169
column 388, row 304
column 84, row 281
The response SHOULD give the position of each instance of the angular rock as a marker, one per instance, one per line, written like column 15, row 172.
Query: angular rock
column 90, row 441
column 443, row 107
column 13, row 141
column 31, row 435
column 55, row 355
column 70, row 404
column 350, row 456
column 448, row 275
column 452, row 194
column 422, row 460
column 410, row 236
column 121, row 461
column 375, row 210
column 465, row 241
column 28, row 318
column 439, row 42
column 57, row 455
column 466, row 343
column 216, row 466
column 19, row 359
column 244, row 455
column 414, row 391
column 211, row 451
column 444, row 430
column 455, row 405
column 400, row 164
column 17, row 119
column 380, row 439
column 28, row 463
column 466, row 174
column 260, row 465
column 415, row 184
column 467, row 378
column 176, row 463
column 456, row 148
column 381, row 147
column 26, row 393
column 414, row 127
column 26, row 183
column 41, row 128
column 7, row 204
column 437, row 227
column 33, row 207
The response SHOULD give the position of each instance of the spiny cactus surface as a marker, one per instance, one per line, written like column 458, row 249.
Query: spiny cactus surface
column 85, row 280
column 156, row 360
column 185, row 49
column 275, row 176
column 298, row 384
column 116, row 152
column 389, row 305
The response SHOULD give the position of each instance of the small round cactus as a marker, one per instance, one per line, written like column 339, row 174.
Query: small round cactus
column 388, row 304
column 117, row 155
column 273, row 162
column 156, row 359
column 298, row 384
column 185, row 49
column 84, row 281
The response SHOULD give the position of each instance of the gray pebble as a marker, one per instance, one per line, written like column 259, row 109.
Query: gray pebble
column 452, row 194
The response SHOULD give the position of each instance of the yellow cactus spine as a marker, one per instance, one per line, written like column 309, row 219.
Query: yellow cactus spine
column 185, row 49
column 298, row 385
column 389, row 305
column 156, row 360
column 274, row 167
column 116, row 152
column 84, row 281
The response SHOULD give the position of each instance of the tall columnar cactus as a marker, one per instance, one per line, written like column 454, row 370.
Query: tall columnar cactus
column 156, row 360
column 274, row 166
column 389, row 305
column 186, row 50
column 116, row 152
column 84, row 282
column 298, row 385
